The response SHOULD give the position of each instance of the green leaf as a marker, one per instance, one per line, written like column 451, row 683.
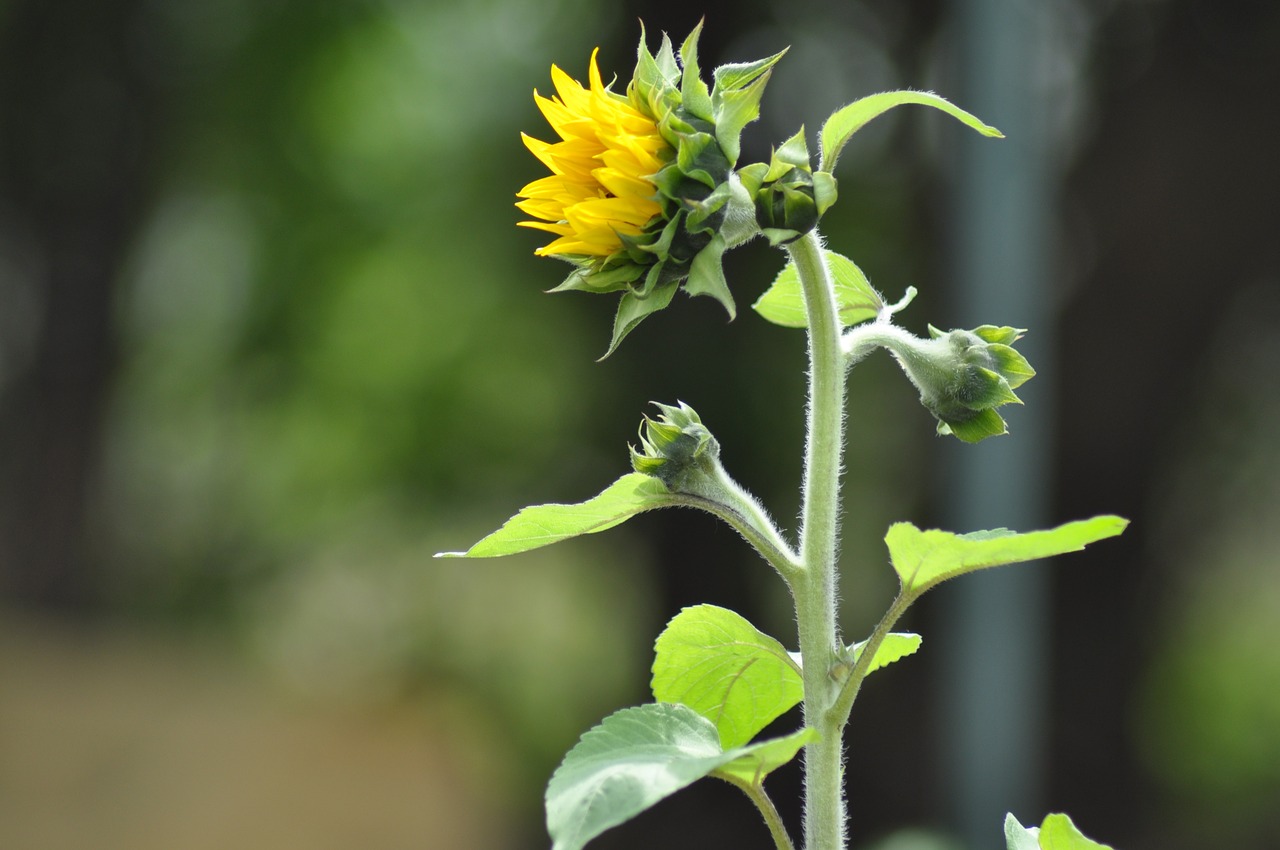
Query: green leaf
column 846, row 121
column 922, row 559
column 783, row 303
column 714, row 661
column 637, row 757
column 894, row 647
column 1057, row 832
column 542, row 525
column 765, row 758
column 1019, row 837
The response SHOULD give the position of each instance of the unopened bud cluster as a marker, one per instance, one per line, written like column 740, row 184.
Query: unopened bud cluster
column 963, row 376
column 675, row 446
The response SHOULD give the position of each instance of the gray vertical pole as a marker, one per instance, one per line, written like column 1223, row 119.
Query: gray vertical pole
column 994, row 630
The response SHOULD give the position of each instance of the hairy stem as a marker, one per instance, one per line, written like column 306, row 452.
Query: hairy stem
column 772, row 819
column 815, row 587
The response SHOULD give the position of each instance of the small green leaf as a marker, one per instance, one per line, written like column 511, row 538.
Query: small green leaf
column 1057, row 832
column 637, row 757
column 1019, row 837
column 894, row 647
column 542, row 525
column 714, row 661
column 846, row 121
column 765, row 758
column 922, row 559
column 783, row 303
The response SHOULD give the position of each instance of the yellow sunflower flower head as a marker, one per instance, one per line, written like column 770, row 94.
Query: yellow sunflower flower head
column 642, row 197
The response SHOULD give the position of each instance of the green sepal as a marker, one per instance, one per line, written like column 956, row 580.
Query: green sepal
column 735, row 100
column 1011, row 365
column 604, row 280
column 695, row 96
column 999, row 335
column 846, row 121
column 976, row 428
column 824, row 191
column 706, row 275
column 634, row 309
column 752, row 176
column 793, row 153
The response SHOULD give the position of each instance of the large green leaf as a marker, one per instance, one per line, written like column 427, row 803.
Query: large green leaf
column 846, row 121
column 1056, row 832
column 714, row 661
column 922, row 559
column 783, row 302
column 635, row 758
column 542, row 525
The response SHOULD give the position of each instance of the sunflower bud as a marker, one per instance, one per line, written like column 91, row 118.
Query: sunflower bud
column 789, row 196
column 963, row 376
column 675, row 447
column 642, row 183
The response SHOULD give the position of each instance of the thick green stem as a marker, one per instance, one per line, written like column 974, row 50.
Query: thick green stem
column 815, row 588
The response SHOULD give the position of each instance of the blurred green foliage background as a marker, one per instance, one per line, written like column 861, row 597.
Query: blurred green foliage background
column 269, row 339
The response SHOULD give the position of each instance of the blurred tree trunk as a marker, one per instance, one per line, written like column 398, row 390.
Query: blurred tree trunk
column 78, row 123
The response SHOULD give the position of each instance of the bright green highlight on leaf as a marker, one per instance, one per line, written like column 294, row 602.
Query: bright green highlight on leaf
column 783, row 304
column 637, row 757
column 1057, row 832
column 542, row 525
column 846, row 121
column 922, row 559
column 714, row 661
column 764, row 758
column 894, row 647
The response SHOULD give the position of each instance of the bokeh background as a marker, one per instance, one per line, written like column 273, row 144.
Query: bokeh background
column 269, row 339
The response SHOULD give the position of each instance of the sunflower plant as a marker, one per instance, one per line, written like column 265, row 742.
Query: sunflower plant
column 644, row 196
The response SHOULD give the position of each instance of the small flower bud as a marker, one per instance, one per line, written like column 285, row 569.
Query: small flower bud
column 790, row 197
column 963, row 376
column 675, row 446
